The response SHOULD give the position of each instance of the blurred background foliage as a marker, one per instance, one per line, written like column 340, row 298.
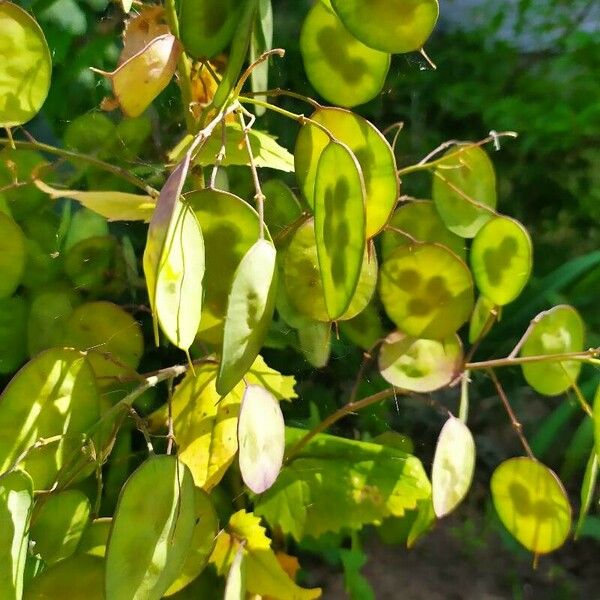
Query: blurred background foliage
column 529, row 66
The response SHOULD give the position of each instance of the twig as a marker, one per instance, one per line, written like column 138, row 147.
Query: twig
column 141, row 426
column 347, row 409
column 220, row 156
column 521, row 360
column 262, row 58
column 281, row 92
column 516, row 425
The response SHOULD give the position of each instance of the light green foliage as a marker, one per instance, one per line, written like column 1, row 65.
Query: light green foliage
column 482, row 318
column 342, row 70
column 95, row 537
column 369, row 481
column 16, row 500
column 532, row 504
column 12, row 255
column 26, row 66
column 281, row 206
column 151, row 530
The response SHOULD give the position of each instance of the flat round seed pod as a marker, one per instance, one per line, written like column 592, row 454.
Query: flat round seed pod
column 394, row 26
column 95, row 537
column 419, row 365
column 481, row 319
column 47, row 318
column 203, row 541
column 54, row 394
column 314, row 338
column 16, row 500
column 25, row 66
column 261, row 438
column 13, row 333
column 105, row 330
column 453, row 467
column 501, row 259
column 97, row 266
column 58, row 524
column 372, row 151
column 12, row 254
column 82, row 575
column 342, row 70
column 151, row 530
column 557, row 331
column 206, row 27
column 281, row 206
column 464, row 184
column 250, row 309
column 339, row 226
column 229, row 227
column 426, row 290
column 421, row 221
column 532, row 504
column 302, row 278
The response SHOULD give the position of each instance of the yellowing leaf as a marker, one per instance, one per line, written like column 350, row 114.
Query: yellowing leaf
column 115, row 206
column 265, row 576
column 25, row 66
column 143, row 76
column 249, row 311
column 261, row 438
column 453, row 466
column 141, row 30
column 281, row 386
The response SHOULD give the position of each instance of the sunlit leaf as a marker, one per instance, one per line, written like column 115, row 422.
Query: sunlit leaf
column 261, row 438
column 16, row 500
column 142, row 29
column 261, row 41
column 501, row 259
column 53, row 395
column 419, row 365
column 230, row 227
column 95, row 537
column 126, row 5
column 82, row 575
column 421, row 221
column 426, row 290
column 206, row 26
column 142, row 77
column 588, row 490
column 339, row 226
column 302, row 277
column 368, row 482
column 12, row 254
column 203, row 541
column 114, row 206
column 453, row 466
column 25, row 66
column 314, row 338
column 264, row 574
column 532, row 504
column 394, row 26
column 58, row 523
column 372, row 151
column 249, row 312
column 151, row 530
column 464, row 190
column 343, row 70
column 556, row 331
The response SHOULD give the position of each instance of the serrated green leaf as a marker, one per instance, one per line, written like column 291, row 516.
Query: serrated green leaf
column 16, row 500
column 368, row 481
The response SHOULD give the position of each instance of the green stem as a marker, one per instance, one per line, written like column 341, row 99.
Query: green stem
column 521, row 360
column 75, row 156
column 347, row 409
